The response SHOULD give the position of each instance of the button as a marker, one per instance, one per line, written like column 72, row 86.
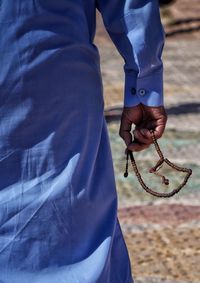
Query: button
column 133, row 90
column 142, row 91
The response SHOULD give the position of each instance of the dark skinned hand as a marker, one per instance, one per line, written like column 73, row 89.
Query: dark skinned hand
column 144, row 118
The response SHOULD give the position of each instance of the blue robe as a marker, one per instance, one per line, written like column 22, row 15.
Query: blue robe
column 58, row 201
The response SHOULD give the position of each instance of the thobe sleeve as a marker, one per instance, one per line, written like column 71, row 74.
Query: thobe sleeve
column 136, row 30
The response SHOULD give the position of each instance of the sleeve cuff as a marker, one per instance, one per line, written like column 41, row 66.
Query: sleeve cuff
column 146, row 90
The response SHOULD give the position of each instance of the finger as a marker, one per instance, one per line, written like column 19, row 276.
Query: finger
column 149, row 125
column 159, row 130
column 142, row 138
column 124, row 130
column 137, row 146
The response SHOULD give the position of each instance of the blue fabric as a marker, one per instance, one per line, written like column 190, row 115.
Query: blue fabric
column 58, row 201
column 136, row 29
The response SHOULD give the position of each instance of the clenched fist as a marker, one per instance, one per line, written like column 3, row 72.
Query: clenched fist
column 144, row 118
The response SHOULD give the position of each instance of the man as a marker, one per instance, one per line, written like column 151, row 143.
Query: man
column 58, row 200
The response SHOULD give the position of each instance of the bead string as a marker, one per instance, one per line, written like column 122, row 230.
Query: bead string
column 155, row 169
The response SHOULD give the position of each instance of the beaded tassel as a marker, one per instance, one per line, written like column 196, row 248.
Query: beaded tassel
column 126, row 170
column 155, row 169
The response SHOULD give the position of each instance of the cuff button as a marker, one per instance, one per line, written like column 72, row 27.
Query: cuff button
column 133, row 90
column 142, row 91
